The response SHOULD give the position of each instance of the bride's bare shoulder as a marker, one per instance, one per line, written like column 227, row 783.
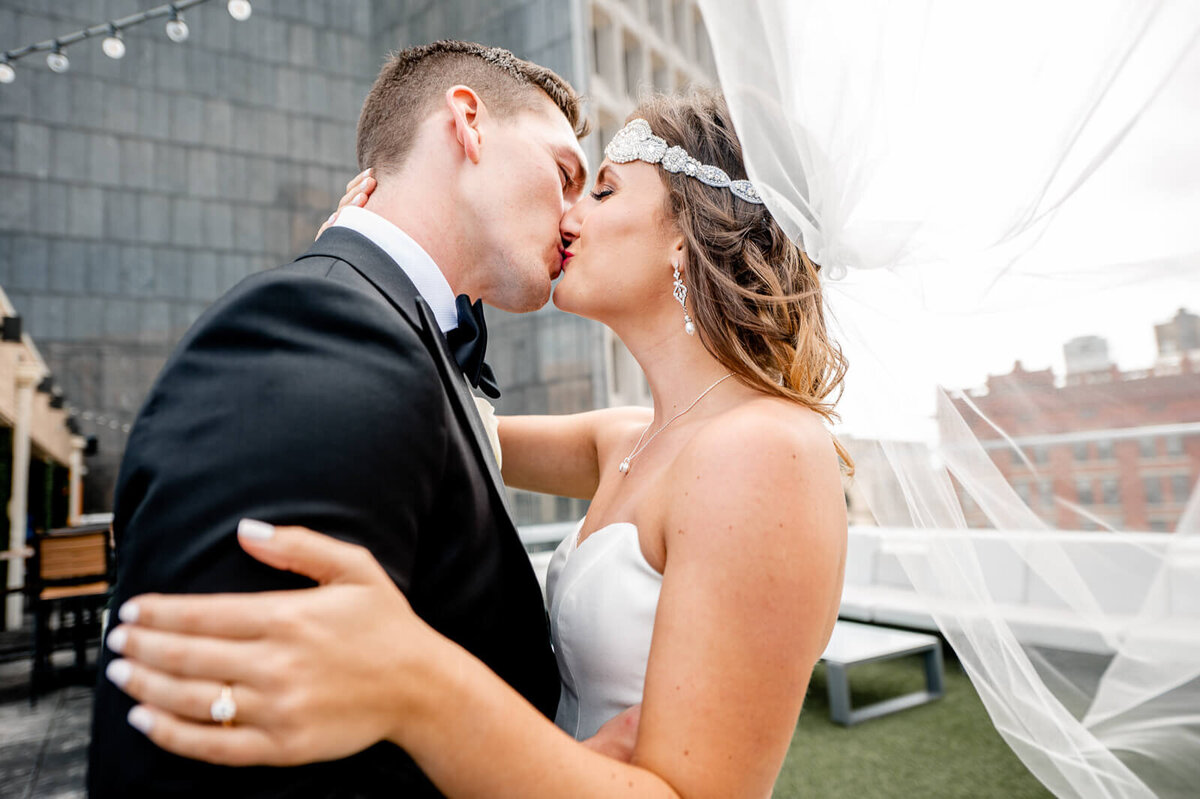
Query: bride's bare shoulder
column 769, row 430
column 765, row 463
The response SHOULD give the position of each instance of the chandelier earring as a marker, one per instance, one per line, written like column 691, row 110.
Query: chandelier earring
column 681, row 295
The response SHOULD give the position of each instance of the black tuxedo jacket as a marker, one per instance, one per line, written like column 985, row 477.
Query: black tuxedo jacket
column 323, row 394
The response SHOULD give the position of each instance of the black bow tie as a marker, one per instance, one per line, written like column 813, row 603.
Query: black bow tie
column 469, row 342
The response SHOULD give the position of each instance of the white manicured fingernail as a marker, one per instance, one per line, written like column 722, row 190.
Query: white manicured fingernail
column 256, row 530
column 117, row 639
column 129, row 613
column 141, row 719
column 357, row 197
column 118, row 672
column 332, row 217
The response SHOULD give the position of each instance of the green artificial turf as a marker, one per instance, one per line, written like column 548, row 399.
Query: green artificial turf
column 947, row 748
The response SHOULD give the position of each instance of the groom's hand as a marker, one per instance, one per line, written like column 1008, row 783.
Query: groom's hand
column 618, row 736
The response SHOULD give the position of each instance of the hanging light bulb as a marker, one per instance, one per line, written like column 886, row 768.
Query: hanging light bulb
column 177, row 29
column 58, row 61
column 239, row 9
column 113, row 46
column 7, row 73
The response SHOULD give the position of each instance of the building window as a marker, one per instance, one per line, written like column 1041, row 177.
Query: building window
column 1046, row 489
column 1152, row 486
column 660, row 74
column 603, row 33
column 1175, row 445
column 1083, row 490
column 1023, row 491
column 1041, row 454
column 1147, row 447
column 1158, row 525
column 680, row 13
column 1112, row 492
column 1081, row 451
column 616, row 366
column 564, row 509
column 1180, row 487
column 633, row 65
column 658, row 16
column 704, row 53
column 1104, row 450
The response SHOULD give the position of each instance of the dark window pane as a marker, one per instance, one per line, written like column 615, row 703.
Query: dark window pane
column 1153, row 488
column 1112, row 493
column 1083, row 489
column 1180, row 487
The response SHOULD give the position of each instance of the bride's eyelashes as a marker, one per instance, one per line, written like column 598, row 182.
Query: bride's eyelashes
column 600, row 195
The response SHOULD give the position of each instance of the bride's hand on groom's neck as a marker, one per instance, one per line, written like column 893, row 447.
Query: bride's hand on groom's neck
column 358, row 190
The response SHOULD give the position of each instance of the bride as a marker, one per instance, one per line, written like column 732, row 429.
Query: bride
column 704, row 582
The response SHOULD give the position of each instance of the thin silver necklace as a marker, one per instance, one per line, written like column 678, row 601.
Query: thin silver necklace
column 638, row 447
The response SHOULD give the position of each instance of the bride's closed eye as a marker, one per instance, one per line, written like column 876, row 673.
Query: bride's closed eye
column 600, row 195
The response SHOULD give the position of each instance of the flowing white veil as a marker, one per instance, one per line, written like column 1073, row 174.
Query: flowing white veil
column 978, row 181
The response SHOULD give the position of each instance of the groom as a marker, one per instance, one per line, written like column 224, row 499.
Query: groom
column 334, row 393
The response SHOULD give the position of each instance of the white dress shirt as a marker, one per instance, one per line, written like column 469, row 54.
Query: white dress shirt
column 429, row 282
column 410, row 257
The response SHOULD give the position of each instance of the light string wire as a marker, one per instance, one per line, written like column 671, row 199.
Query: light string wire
column 177, row 31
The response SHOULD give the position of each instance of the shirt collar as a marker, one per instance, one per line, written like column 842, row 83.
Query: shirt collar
column 410, row 257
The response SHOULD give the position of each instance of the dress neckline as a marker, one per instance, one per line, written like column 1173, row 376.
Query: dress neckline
column 605, row 528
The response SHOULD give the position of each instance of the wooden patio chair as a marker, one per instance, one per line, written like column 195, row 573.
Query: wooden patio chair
column 69, row 578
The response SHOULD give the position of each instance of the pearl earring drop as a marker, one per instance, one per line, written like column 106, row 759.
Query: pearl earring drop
column 681, row 295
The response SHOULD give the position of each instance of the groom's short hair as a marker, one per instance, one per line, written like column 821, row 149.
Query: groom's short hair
column 414, row 80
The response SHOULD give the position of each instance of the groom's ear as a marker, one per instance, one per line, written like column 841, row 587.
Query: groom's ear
column 467, row 110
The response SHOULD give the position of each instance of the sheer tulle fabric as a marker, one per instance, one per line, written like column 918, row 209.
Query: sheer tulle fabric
column 961, row 173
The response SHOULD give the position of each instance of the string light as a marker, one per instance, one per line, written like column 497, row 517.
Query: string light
column 239, row 9
column 98, row 419
column 58, row 61
column 113, row 45
column 177, row 29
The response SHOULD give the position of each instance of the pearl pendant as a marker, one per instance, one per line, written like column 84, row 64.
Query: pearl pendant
column 624, row 467
column 690, row 328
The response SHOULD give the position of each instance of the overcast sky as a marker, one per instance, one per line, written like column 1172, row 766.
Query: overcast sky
column 1120, row 256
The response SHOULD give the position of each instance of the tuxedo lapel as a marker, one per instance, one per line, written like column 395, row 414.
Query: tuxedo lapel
column 378, row 268
column 373, row 264
column 457, row 384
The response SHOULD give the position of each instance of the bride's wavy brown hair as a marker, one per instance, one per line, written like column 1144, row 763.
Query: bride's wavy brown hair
column 754, row 295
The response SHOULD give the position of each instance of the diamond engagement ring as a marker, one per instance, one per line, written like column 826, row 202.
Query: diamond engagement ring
column 224, row 709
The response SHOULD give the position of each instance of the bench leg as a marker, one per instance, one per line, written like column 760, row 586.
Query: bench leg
column 935, row 676
column 838, row 684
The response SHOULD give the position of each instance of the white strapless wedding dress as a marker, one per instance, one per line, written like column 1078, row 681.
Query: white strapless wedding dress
column 602, row 597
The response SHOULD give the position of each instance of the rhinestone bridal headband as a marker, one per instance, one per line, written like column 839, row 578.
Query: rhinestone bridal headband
column 635, row 142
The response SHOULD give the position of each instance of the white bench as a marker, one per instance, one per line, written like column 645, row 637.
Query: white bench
column 1117, row 571
column 854, row 644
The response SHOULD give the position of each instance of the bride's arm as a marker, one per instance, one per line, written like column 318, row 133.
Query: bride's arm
column 755, row 530
column 560, row 454
column 756, row 542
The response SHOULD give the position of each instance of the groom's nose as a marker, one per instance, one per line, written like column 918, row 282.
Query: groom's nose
column 568, row 226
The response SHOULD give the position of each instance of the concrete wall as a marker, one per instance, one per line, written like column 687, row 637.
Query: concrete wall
column 135, row 192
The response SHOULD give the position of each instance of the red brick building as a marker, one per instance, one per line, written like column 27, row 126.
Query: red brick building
column 1123, row 448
